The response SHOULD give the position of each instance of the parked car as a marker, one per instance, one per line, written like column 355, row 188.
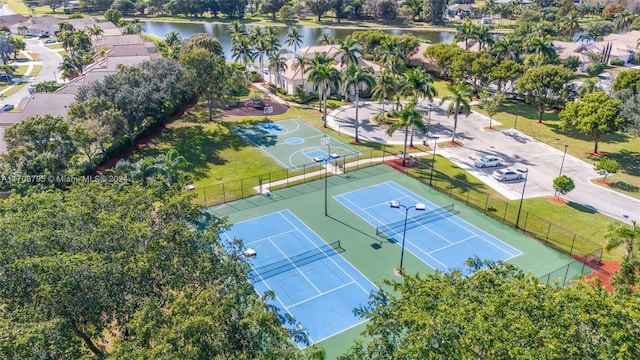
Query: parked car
column 42, row 36
column 20, row 80
column 6, row 107
column 50, row 41
column 6, row 77
column 488, row 161
column 508, row 174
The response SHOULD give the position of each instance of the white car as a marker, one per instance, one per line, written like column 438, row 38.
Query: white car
column 6, row 107
column 488, row 161
column 508, row 174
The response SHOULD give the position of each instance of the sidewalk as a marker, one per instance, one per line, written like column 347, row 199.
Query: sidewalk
column 335, row 170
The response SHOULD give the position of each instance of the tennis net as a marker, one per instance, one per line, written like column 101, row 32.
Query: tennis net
column 307, row 257
column 398, row 226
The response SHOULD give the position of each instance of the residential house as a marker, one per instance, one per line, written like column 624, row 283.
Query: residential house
column 623, row 47
column 291, row 79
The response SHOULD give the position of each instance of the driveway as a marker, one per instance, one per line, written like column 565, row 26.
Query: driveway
column 517, row 149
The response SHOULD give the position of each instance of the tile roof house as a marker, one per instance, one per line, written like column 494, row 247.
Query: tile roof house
column 120, row 49
column 623, row 47
column 292, row 79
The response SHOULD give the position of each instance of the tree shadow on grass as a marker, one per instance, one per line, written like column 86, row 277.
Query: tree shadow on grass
column 617, row 137
column 623, row 186
column 582, row 208
column 628, row 160
column 200, row 146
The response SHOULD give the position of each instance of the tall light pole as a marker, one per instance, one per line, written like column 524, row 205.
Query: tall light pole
column 524, row 185
column 433, row 158
column 325, row 141
column 396, row 205
column 563, row 156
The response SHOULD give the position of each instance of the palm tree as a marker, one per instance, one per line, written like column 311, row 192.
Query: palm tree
column 97, row 31
column 64, row 26
column 301, row 63
column 273, row 41
column 294, row 38
column 622, row 235
column 507, row 47
column 459, row 101
column 465, row 32
column 571, row 23
column 235, row 28
column 326, row 39
column 256, row 34
column 482, row 35
column 324, row 76
column 409, row 117
column 622, row 20
column 349, row 51
column 387, row 52
column 418, row 84
column 383, row 90
column 353, row 78
column 261, row 48
column 278, row 64
column 69, row 68
column 542, row 48
column 241, row 50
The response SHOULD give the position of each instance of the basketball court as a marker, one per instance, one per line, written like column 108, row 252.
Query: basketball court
column 294, row 143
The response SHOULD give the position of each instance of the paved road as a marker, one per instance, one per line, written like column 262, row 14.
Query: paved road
column 517, row 149
column 49, row 61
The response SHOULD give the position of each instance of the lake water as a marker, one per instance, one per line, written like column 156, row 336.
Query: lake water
column 310, row 35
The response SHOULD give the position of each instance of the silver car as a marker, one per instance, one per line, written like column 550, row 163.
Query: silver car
column 508, row 174
column 488, row 161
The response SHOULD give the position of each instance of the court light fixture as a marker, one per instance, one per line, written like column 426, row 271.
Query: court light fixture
column 396, row 205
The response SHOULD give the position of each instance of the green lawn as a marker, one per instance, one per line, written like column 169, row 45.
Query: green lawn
column 218, row 156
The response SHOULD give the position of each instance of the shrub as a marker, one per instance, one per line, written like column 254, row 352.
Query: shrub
column 595, row 69
column 76, row 16
column 617, row 62
column 572, row 62
column 254, row 76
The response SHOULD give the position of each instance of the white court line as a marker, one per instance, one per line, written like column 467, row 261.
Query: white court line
column 455, row 243
column 322, row 293
column 472, row 229
column 295, row 267
column 330, row 257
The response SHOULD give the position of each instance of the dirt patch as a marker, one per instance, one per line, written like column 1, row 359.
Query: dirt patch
column 557, row 200
column 255, row 107
column 397, row 163
column 602, row 270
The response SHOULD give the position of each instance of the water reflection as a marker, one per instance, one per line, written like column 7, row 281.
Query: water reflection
column 310, row 35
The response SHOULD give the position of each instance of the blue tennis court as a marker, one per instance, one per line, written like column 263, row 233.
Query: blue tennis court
column 436, row 236
column 310, row 278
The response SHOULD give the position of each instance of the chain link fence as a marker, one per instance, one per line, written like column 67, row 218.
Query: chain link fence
column 279, row 184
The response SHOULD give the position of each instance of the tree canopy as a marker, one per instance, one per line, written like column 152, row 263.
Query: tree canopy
column 595, row 114
column 498, row 313
column 126, row 261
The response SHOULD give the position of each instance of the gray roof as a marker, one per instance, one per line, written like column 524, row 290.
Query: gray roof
column 110, row 41
column 128, row 50
column 10, row 20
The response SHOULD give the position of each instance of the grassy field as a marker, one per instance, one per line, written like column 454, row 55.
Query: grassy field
column 217, row 155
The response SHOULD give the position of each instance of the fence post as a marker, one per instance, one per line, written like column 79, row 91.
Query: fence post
column 204, row 192
column 526, row 217
column 486, row 204
column 572, row 244
column 546, row 240
column 566, row 275
column 241, row 189
column 224, row 195
column 468, row 194
column 504, row 216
